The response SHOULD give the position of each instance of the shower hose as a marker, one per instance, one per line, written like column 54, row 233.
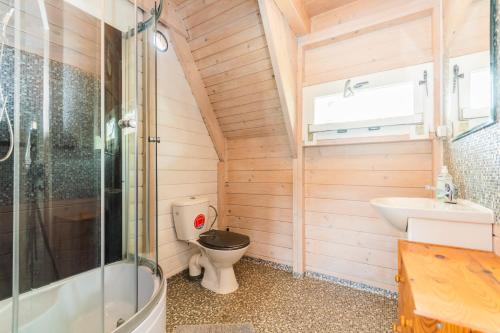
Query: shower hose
column 3, row 99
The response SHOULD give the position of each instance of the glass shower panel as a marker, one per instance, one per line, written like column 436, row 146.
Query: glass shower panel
column 71, row 164
column 122, row 119
column 55, row 70
column 6, row 164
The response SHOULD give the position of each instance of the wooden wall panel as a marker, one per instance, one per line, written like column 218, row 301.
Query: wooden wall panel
column 472, row 33
column 351, row 10
column 187, row 160
column 401, row 45
column 228, row 43
column 345, row 237
column 317, row 7
column 259, row 195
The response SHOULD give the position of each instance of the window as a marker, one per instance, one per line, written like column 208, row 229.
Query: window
column 387, row 103
column 368, row 104
column 470, row 87
column 480, row 90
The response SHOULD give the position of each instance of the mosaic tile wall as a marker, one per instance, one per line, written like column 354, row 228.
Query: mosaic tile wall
column 74, row 108
column 474, row 163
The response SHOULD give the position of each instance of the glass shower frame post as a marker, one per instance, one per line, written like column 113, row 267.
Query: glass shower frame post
column 150, row 143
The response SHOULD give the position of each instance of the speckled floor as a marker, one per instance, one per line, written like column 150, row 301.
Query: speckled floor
column 273, row 301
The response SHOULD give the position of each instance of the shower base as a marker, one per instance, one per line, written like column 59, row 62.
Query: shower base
column 74, row 304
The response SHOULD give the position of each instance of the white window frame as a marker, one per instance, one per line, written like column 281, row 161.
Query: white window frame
column 416, row 126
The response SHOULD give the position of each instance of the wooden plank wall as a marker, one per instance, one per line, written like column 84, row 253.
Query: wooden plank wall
column 316, row 7
column 353, row 11
column 344, row 235
column 393, row 47
column 469, row 36
column 228, row 43
column 187, row 160
column 259, row 195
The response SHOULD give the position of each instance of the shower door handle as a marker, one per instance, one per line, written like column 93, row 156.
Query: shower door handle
column 127, row 123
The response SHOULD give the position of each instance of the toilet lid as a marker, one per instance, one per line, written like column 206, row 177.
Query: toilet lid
column 223, row 240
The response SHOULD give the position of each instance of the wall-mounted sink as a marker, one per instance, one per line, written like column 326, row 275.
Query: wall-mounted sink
column 397, row 211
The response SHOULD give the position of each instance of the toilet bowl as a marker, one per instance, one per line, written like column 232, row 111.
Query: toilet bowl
column 218, row 263
column 219, row 250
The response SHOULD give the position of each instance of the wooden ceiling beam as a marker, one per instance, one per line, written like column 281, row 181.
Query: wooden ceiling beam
column 296, row 15
column 282, row 44
column 409, row 10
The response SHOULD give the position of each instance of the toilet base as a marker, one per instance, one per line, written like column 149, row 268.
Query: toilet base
column 218, row 273
column 225, row 283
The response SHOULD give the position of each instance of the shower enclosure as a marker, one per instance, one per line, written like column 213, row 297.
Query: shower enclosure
column 78, row 240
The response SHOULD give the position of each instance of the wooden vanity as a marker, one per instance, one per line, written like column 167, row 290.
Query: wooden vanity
column 448, row 290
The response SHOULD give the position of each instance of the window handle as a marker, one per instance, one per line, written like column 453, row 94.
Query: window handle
column 426, row 83
column 361, row 84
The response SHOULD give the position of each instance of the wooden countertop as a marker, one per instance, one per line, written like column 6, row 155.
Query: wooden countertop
column 454, row 285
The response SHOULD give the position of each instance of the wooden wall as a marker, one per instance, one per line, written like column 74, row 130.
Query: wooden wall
column 187, row 161
column 345, row 237
column 316, row 7
column 471, row 34
column 396, row 46
column 353, row 10
column 259, row 195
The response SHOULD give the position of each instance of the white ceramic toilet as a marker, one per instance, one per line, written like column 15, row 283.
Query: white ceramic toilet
column 220, row 250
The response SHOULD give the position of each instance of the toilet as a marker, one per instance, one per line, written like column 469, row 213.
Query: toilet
column 219, row 250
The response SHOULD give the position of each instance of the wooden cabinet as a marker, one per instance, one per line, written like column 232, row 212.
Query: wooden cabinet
column 447, row 290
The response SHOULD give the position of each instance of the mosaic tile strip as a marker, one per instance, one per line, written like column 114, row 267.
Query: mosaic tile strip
column 268, row 263
column 351, row 284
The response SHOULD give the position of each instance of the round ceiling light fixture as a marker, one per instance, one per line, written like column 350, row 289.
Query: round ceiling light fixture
column 161, row 41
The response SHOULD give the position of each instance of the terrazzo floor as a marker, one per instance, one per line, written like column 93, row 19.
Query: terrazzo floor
column 273, row 301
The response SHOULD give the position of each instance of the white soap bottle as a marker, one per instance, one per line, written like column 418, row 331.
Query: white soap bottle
column 443, row 178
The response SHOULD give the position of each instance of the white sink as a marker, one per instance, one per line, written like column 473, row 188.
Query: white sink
column 398, row 210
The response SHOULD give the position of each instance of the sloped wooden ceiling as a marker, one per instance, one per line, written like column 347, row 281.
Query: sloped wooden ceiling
column 227, row 41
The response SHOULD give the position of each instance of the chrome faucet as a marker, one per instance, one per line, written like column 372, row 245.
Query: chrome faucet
column 451, row 193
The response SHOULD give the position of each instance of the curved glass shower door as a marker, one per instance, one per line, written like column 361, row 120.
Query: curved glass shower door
column 71, row 166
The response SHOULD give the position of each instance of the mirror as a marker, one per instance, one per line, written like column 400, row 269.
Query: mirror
column 469, row 65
